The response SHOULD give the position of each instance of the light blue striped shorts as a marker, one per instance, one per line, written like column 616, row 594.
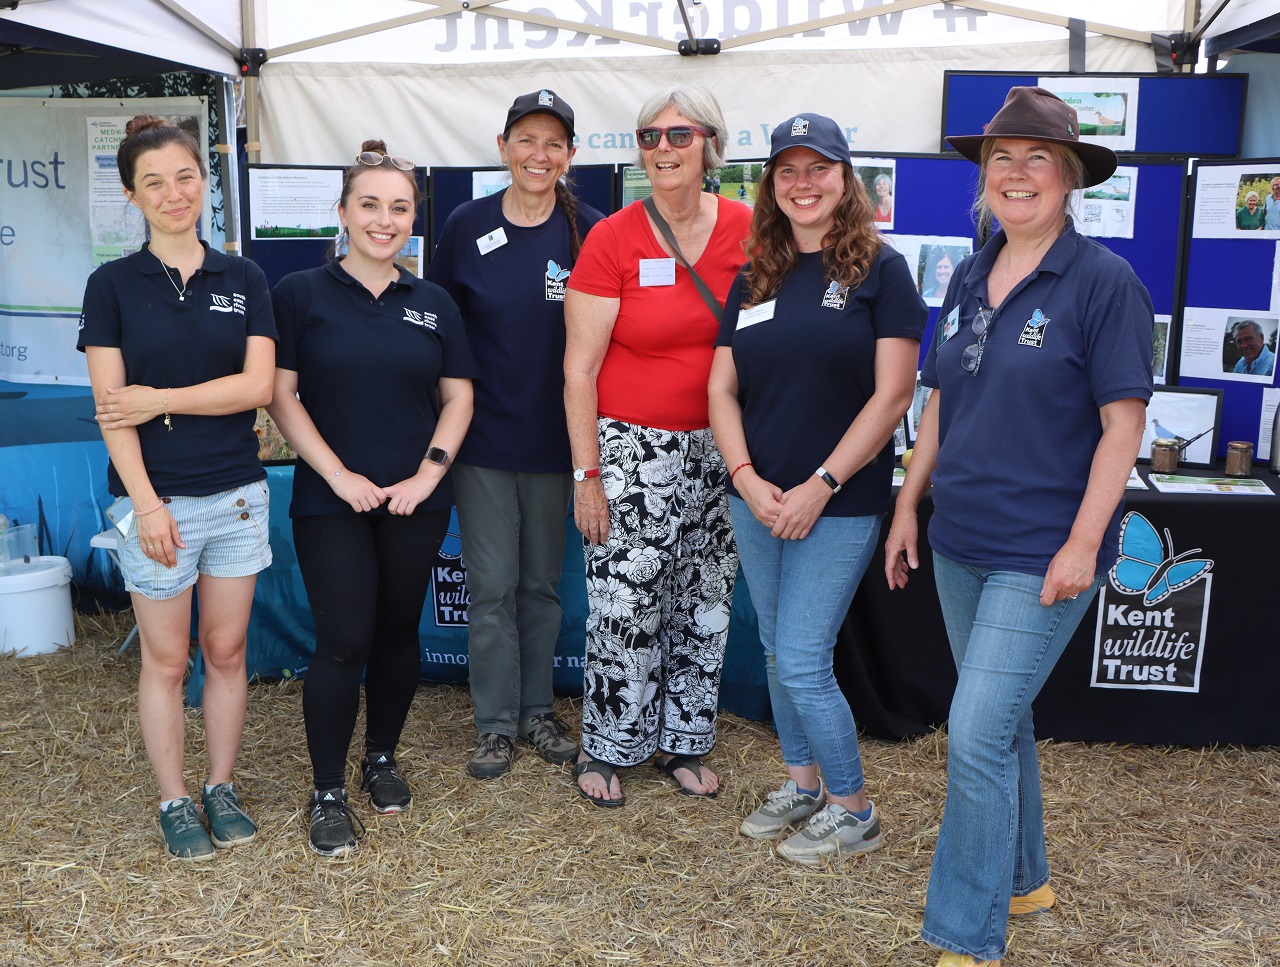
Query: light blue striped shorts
column 225, row 536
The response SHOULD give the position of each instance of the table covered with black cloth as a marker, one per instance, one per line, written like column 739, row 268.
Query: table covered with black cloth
column 1219, row 686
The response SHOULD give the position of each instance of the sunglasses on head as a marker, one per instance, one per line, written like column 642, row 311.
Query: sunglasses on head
column 373, row 160
column 680, row 136
column 971, row 358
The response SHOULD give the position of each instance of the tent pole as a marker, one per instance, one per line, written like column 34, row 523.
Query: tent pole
column 229, row 158
column 249, row 32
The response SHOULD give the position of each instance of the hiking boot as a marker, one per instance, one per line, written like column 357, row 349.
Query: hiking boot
column 832, row 832
column 1038, row 900
column 229, row 824
column 782, row 809
column 333, row 824
column 184, row 834
column 549, row 738
column 387, row 789
column 492, row 757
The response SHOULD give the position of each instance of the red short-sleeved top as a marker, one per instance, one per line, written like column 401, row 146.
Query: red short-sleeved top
column 656, row 368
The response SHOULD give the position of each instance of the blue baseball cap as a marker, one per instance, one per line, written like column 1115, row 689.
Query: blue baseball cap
column 812, row 131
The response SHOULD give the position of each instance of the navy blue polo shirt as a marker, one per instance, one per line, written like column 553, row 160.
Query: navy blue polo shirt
column 367, row 372
column 512, row 300
column 132, row 304
column 805, row 374
column 1017, row 439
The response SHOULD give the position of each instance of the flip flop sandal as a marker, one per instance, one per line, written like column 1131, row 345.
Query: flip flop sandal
column 691, row 762
column 606, row 772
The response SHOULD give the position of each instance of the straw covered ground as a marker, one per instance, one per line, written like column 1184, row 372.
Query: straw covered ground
column 1161, row 856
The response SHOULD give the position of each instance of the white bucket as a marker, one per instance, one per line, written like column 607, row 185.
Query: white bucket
column 35, row 606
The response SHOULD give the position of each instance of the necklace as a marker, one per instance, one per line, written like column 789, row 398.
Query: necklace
column 182, row 292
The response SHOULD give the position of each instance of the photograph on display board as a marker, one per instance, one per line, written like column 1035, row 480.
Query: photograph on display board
column 924, row 255
column 918, row 401
column 1106, row 210
column 294, row 203
column 1237, row 201
column 1187, row 415
column 900, row 440
column 737, row 180
column 486, row 183
column 1160, row 349
column 1109, row 116
column 879, row 177
column 1231, row 344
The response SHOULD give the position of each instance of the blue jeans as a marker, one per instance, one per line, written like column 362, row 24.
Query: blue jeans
column 991, row 845
column 801, row 591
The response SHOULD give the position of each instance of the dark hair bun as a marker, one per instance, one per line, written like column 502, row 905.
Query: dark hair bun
column 375, row 145
column 142, row 122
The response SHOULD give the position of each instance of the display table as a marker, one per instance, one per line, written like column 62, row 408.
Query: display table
column 1219, row 686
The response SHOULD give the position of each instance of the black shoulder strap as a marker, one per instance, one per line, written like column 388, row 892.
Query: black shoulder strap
column 703, row 289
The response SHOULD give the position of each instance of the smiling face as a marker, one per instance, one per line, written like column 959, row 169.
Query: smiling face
column 674, row 169
column 378, row 213
column 809, row 189
column 168, row 189
column 942, row 271
column 1248, row 342
column 1275, row 187
column 1026, row 187
column 537, row 151
column 1251, row 201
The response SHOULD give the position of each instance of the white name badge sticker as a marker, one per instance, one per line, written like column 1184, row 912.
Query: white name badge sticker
column 657, row 272
column 495, row 239
column 951, row 324
column 761, row 313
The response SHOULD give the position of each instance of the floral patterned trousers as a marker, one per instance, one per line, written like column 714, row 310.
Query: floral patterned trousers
column 659, row 592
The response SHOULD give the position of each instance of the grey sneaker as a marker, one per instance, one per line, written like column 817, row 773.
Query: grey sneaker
column 549, row 738
column 333, row 824
column 832, row 832
column 493, row 756
column 387, row 789
column 782, row 809
column 229, row 824
column 184, row 833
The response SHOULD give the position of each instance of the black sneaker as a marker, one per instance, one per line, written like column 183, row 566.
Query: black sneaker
column 333, row 824
column 387, row 789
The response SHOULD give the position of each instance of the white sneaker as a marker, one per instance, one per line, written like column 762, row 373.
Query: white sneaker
column 832, row 832
column 782, row 809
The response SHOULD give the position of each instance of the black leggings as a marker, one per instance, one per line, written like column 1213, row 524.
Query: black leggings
column 367, row 576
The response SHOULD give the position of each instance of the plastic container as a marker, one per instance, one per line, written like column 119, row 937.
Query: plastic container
column 35, row 606
column 18, row 543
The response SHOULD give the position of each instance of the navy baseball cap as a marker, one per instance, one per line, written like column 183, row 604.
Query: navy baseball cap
column 813, row 131
column 545, row 101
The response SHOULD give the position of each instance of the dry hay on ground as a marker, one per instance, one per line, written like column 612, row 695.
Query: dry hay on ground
column 1161, row 856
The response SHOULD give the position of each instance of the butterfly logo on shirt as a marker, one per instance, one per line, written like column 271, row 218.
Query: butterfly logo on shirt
column 1033, row 331
column 555, row 281
column 835, row 296
column 1145, row 567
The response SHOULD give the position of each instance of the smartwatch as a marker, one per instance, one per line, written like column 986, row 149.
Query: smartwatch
column 437, row 456
column 580, row 475
column 827, row 479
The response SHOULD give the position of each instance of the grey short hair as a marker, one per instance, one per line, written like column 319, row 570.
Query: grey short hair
column 1235, row 330
column 1253, row 195
column 885, row 178
column 700, row 106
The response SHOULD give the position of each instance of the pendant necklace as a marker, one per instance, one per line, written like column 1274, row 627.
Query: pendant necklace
column 182, row 293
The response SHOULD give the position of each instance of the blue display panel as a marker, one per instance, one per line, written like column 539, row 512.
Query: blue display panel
column 450, row 187
column 1231, row 273
column 277, row 257
column 1198, row 115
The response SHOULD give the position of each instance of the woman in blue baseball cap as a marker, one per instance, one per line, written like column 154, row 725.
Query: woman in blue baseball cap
column 814, row 368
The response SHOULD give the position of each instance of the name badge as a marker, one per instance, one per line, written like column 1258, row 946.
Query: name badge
column 495, row 239
column 760, row 313
column 951, row 324
column 657, row 272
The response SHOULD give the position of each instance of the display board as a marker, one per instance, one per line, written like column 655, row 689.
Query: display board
column 1188, row 115
column 1231, row 280
column 450, row 187
column 290, row 215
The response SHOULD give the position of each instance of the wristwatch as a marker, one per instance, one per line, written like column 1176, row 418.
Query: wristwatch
column 580, row 475
column 437, row 456
column 827, row 479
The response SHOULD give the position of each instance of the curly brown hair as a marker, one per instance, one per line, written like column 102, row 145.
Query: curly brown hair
column 847, row 250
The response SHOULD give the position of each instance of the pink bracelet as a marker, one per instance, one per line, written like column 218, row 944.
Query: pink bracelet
column 143, row 513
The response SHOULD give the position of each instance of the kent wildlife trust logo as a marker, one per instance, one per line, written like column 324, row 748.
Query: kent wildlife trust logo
column 1139, row 644
column 556, row 279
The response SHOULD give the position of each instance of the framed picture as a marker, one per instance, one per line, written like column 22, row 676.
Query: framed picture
column 1188, row 414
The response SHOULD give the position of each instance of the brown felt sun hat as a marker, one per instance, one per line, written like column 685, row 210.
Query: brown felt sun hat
column 1034, row 114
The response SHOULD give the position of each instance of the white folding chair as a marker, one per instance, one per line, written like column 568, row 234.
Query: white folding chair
column 109, row 541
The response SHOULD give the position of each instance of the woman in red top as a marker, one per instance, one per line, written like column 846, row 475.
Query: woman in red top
column 649, row 492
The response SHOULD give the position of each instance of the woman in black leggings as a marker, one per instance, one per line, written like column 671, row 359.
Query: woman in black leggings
column 373, row 390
